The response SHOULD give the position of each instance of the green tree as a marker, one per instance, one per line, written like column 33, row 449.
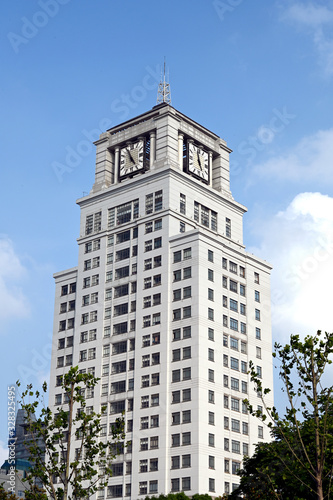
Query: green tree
column 6, row 495
column 304, row 437
column 63, row 475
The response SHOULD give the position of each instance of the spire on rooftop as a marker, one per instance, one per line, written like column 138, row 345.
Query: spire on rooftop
column 163, row 91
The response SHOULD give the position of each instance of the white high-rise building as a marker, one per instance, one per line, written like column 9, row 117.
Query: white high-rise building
column 167, row 308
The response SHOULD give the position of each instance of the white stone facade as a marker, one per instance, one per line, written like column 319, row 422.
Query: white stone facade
column 167, row 308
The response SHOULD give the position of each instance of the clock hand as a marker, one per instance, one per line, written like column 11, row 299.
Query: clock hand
column 199, row 160
column 131, row 157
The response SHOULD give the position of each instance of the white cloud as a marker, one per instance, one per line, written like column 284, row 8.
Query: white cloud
column 13, row 303
column 315, row 18
column 310, row 160
column 298, row 242
column 3, row 452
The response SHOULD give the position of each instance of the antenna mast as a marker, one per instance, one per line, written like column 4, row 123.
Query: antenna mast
column 163, row 91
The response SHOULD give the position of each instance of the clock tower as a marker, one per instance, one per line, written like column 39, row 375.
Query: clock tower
column 163, row 136
column 166, row 307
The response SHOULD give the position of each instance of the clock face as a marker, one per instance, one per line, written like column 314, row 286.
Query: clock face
column 132, row 158
column 198, row 162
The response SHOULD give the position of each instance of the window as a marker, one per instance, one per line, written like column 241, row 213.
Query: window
column 153, row 485
column 154, row 421
column 210, row 294
column 144, row 422
column 62, row 324
column 211, row 418
column 243, row 328
column 122, row 272
column 175, row 440
column 245, row 449
column 243, row 367
column 177, row 275
column 259, row 372
column 175, row 397
column 155, row 358
column 235, row 446
column 182, row 204
column 175, row 375
column 224, row 282
column 155, row 399
column 210, row 334
column 256, row 278
column 157, row 224
column 211, row 375
column 242, row 290
column 257, row 296
column 225, row 360
column 158, row 261
column 115, row 491
column 210, row 275
column 175, row 484
column 186, row 352
column 245, row 428
column 210, row 314
column 211, row 354
column 158, row 242
column 186, row 312
column 242, row 309
column 235, row 425
column 226, row 444
column 211, row 397
column 187, row 291
column 258, row 352
column 234, row 384
column 143, row 488
column 156, row 280
column 186, row 416
column 244, row 387
column 228, row 227
column 211, row 439
column 260, row 432
column 257, row 314
column 234, row 404
column 234, row 343
column 242, row 271
column 226, row 423
column 234, row 363
column 210, row 256
column 177, row 256
column 186, row 438
column 187, row 373
column 186, row 483
column 147, row 264
column 187, row 273
column 186, row 332
column 226, row 465
column 211, row 484
column 186, row 395
column 225, row 381
column 233, row 286
column 176, row 314
column 235, row 467
column 232, row 267
column 233, row 324
column 146, row 321
column 176, row 355
column 258, row 334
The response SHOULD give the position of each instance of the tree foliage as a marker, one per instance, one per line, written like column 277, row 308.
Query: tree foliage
column 303, row 446
column 63, row 472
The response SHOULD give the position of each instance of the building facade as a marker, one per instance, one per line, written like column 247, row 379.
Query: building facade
column 167, row 308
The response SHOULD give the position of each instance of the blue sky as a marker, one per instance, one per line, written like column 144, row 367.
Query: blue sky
column 258, row 73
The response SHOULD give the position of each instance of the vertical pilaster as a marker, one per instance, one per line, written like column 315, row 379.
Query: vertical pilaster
column 180, row 150
column 152, row 148
column 116, row 165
